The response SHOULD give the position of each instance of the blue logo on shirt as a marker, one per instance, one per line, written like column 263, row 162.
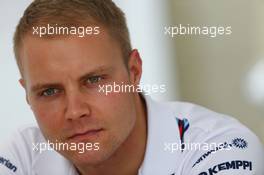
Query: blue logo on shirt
column 240, row 143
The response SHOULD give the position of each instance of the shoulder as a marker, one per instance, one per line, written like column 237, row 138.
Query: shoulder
column 201, row 118
column 204, row 123
column 16, row 152
column 26, row 153
column 215, row 142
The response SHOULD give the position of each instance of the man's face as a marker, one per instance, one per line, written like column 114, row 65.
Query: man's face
column 62, row 77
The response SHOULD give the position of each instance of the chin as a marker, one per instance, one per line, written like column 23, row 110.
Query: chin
column 89, row 157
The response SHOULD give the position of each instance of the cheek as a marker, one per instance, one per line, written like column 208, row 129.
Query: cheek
column 119, row 110
column 48, row 118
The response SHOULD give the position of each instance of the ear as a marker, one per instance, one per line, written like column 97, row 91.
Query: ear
column 135, row 67
column 23, row 84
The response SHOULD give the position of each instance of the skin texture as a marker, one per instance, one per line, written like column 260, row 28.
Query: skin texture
column 61, row 77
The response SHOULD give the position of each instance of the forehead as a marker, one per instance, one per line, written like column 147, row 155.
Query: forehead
column 34, row 44
column 60, row 54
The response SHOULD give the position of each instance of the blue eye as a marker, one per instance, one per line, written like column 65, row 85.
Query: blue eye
column 49, row 92
column 93, row 79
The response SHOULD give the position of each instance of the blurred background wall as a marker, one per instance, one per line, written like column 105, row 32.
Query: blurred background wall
column 14, row 110
column 221, row 73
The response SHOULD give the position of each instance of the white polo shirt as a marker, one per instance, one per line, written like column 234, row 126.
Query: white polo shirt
column 183, row 139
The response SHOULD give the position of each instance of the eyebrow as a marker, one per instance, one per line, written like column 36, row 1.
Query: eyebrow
column 96, row 71
column 39, row 86
column 100, row 69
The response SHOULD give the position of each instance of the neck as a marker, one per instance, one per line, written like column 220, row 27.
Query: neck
column 129, row 156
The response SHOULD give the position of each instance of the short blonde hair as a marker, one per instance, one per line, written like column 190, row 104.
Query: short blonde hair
column 74, row 13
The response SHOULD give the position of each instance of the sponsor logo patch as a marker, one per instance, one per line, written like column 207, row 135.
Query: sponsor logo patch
column 234, row 165
column 8, row 164
column 183, row 126
column 239, row 143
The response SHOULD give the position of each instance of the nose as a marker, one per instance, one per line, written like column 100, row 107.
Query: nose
column 76, row 105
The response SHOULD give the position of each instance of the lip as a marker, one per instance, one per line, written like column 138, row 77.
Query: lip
column 85, row 135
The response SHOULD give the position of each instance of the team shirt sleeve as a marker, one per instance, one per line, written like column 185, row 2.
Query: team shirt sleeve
column 15, row 156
